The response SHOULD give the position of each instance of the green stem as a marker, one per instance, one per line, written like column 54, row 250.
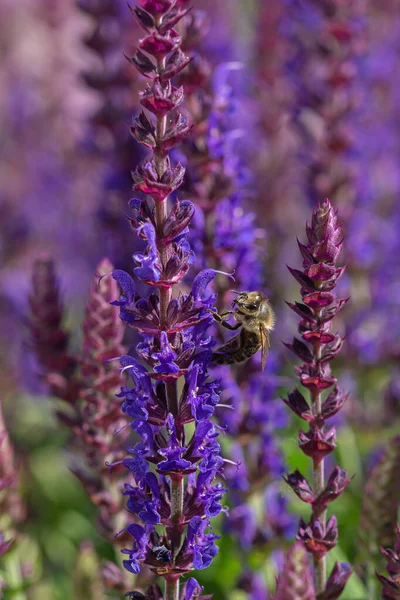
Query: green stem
column 172, row 588
column 177, row 492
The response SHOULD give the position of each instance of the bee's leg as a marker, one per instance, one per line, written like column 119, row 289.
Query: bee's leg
column 220, row 318
column 225, row 324
column 229, row 326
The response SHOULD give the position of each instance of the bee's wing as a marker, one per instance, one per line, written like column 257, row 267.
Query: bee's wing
column 265, row 345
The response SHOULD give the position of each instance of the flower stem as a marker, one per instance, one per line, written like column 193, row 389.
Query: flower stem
column 319, row 563
column 177, row 491
column 161, row 207
column 172, row 588
column 318, row 484
column 177, row 482
column 164, row 292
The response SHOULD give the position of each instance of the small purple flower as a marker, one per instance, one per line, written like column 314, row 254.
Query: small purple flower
column 201, row 543
column 139, row 548
column 165, row 358
column 150, row 265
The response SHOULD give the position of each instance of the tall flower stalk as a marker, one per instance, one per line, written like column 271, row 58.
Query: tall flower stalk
column 108, row 140
column 87, row 382
column 173, row 469
column 319, row 347
column 325, row 59
column 50, row 340
column 97, row 414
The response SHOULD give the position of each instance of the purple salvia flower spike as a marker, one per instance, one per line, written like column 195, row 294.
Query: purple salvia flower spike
column 173, row 473
column 316, row 349
column 107, row 139
column 49, row 339
column 97, row 412
column 326, row 43
column 88, row 382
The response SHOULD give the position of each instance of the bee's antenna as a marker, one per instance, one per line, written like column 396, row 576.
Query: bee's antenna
column 235, row 291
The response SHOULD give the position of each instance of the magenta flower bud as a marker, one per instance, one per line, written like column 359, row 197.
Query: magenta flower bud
column 316, row 380
column 298, row 404
column 390, row 587
column 147, row 180
column 300, row 486
column 317, row 539
column 391, row 583
column 333, row 403
column 160, row 46
column 393, row 556
column 160, row 100
column 156, row 7
column 145, row 19
column 175, row 63
column 144, row 131
column 144, row 65
column 317, row 443
column 337, row 580
column 336, row 484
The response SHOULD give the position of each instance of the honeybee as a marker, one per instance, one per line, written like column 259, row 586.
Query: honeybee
column 253, row 313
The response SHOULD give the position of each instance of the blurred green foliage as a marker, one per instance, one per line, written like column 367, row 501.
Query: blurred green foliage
column 60, row 516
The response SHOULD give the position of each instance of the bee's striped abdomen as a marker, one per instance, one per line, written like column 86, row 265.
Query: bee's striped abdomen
column 237, row 349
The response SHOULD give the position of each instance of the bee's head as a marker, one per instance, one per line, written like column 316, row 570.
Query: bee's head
column 249, row 302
